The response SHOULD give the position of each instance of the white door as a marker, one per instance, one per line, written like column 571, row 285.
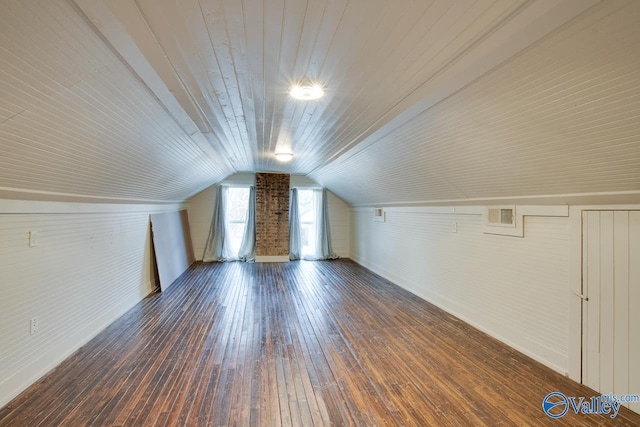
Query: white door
column 611, row 315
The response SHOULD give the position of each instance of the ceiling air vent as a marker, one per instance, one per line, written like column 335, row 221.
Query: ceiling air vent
column 501, row 216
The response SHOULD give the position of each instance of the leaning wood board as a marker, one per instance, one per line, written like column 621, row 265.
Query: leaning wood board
column 171, row 245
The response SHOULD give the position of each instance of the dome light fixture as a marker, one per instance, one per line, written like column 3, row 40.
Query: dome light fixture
column 307, row 92
column 284, row 157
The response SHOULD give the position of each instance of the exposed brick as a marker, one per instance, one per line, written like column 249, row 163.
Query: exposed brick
column 272, row 214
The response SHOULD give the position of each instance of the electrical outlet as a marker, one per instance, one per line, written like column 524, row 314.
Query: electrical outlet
column 33, row 239
column 34, row 325
column 454, row 227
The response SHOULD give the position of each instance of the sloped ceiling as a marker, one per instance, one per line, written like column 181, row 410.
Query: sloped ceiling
column 426, row 101
column 560, row 123
column 74, row 119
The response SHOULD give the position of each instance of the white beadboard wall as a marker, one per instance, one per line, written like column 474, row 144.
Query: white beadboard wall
column 340, row 225
column 92, row 263
column 201, row 212
column 200, row 215
column 513, row 288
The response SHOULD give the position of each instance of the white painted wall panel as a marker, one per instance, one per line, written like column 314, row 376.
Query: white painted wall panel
column 172, row 245
column 200, row 215
column 340, row 225
column 87, row 269
column 513, row 288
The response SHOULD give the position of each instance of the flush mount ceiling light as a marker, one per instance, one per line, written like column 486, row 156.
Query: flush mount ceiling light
column 284, row 157
column 306, row 93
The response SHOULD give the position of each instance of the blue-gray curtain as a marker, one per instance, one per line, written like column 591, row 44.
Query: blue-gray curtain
column 294, row 226
column 247, row 250
column 215, row 242
column 324, row 232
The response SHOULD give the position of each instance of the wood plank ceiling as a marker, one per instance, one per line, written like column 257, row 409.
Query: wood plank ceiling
column 157, row 99
column 559, row 123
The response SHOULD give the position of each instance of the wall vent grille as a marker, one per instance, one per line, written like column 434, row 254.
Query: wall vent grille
column 501, row 216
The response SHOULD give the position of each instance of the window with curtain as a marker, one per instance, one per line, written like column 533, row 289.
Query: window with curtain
column 232, row 232
column 313, row 225
column 236, row 208
column 307, row 213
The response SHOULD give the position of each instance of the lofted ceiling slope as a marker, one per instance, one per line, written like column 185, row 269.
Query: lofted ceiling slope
column 560, row 123
column 75, row 121
column 426, row 101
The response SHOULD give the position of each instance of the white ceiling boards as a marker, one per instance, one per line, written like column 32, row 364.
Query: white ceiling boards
column 157, row 99
column 561, row 119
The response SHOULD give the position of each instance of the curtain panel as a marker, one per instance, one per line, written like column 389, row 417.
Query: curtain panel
column 213, row 250
column 294, row 227
column 325, row 250
column 247, row 252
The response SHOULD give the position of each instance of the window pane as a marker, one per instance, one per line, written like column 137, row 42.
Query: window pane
column 305, row 203
column 307, row 207
column 305, row 235
column 237, row 204
column 236, row 232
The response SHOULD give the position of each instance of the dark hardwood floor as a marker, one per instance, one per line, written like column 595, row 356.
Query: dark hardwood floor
column 297, row 344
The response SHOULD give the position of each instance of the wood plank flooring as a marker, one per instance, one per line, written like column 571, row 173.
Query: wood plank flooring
column 297, row 344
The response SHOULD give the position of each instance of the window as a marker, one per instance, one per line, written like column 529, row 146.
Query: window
column 236, row 207
column 310, row 238
column 308, row 211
